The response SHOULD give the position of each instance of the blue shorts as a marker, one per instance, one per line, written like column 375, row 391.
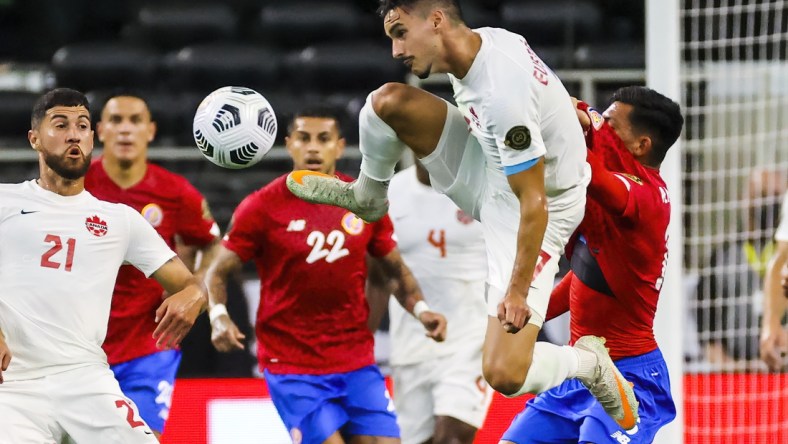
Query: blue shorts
column 148, row 381
column 569, row 413
column 316, row 406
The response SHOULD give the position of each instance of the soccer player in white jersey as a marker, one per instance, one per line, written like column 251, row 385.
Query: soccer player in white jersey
column 512, row 155
column 61, row 251
column 439, row 391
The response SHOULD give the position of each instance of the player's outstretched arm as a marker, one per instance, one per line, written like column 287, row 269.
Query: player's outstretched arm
column 528, row 186
column 774, row 338
column 225, row 335
column 408, row 294
column 5, row 356
column 378, row 290
column 177, row 313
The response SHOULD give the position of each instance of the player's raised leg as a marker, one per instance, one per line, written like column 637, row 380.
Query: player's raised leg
column 394, row 116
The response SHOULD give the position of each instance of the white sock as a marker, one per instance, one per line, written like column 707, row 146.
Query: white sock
column 588, row 363
column 380, row 148
column 551, row 365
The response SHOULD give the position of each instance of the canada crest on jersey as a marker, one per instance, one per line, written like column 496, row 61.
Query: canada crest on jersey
column 96, row 226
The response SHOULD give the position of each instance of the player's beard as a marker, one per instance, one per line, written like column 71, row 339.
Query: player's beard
column 66, row 168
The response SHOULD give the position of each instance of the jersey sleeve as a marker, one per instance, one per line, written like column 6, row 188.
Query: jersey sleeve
column 196, row 225
column 514, row 116
column 146, row 251
column 382, row 241
column 247, row 228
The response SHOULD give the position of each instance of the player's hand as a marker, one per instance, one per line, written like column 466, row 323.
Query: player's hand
column 513, row 312
column 5, row 357
column 435, row 324
column 774, row 346
column 176, row 315
column 582, row 116
column 225, row 335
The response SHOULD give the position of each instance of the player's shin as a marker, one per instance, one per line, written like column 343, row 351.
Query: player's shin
column 380, row 150
column 551, row 365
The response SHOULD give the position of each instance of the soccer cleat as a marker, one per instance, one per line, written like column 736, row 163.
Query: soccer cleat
column 608, row 384
column 320, row 188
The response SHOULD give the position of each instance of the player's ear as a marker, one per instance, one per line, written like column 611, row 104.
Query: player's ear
column 100, row 131
column 437, row 19
column 32, row 137
column 152, row 128
column 341, row 143
column 644, row 146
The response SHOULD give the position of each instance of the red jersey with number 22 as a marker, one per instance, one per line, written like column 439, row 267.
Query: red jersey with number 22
column 630, row 248
column 311, row 259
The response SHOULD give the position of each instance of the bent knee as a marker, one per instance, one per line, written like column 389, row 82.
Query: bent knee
column 388, row 99
column 503, row 378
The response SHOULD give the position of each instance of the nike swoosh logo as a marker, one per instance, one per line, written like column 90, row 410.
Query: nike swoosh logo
column 628, row 422
column 29, row 212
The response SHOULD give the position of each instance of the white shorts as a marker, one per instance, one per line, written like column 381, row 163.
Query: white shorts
column 83, row 405
column 450, row 386
column 459, row 169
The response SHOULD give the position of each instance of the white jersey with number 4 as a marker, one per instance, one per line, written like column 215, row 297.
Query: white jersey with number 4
column 59, row 256
column 445, row 250
column 518, row 110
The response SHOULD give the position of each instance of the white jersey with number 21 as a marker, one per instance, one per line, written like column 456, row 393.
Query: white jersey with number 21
column 59, row 257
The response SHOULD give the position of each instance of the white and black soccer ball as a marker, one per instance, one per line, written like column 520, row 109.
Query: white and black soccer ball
column 234, row 127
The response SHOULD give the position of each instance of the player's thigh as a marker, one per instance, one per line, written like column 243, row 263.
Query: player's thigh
column 309, row 405
column 416, row 116
column 369, row 405
column 149, row 382
column 413, row 399
column 506, row 357
column 27, row 413
column 93, row 408
column 457, row 165
column 460, row 391
column 452, row 430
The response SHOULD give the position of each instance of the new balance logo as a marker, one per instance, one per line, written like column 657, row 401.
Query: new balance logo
column 296, row 225
column 621, row 437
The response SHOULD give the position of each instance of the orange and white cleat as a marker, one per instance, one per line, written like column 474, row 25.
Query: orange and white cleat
column 609, row 386
column 320, row 188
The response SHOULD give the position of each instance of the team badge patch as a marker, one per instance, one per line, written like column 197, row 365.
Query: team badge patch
column 153, row 214
column 518, row 138
column 96, row 226
column 596, row 119
column 352, row 224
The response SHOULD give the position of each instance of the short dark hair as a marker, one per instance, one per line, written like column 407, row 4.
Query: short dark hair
column 127, row 92
column 653, row 114
column 317, row 111
column 452, row 7
column 56, row 97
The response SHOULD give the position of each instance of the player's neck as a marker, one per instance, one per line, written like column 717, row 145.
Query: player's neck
column 57, row 184
column 125, row 175
column 462, row 46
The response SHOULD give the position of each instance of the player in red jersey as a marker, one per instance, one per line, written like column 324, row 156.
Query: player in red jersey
column 314, row 345
column 618, row 258
column 174, row 208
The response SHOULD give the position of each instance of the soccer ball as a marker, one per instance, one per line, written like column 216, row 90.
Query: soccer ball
column 234, row 127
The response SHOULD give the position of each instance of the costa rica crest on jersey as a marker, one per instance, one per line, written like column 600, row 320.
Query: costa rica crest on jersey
column 596, row 119
column 153, row 214
column 96, row 226
column 352, row 224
